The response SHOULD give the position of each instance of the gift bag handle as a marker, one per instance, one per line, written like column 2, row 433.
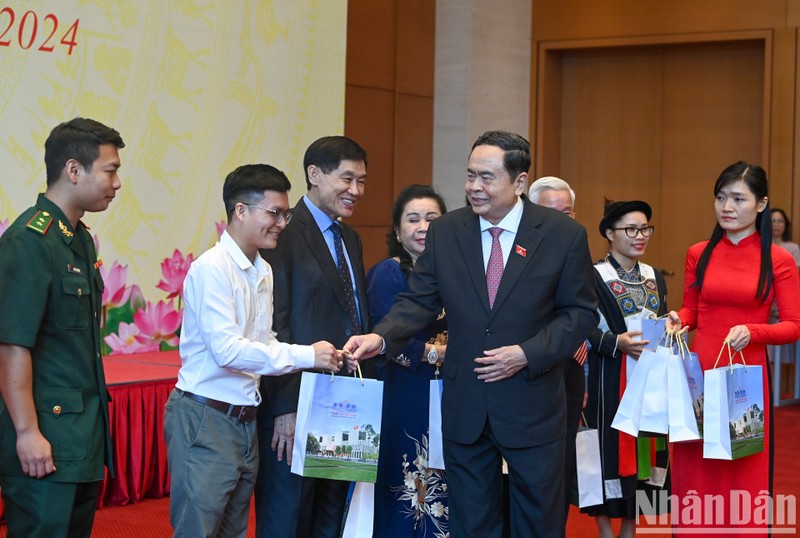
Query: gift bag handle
column 356, row 373
column 683, row 347
column 731, row 354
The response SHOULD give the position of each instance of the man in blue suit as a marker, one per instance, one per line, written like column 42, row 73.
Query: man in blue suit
column 516, row 282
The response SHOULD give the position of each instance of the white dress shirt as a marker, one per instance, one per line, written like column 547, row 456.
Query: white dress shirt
column 227, row 341
column 509, row 224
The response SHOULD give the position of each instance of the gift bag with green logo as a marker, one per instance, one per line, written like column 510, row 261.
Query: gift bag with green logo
column 733, row 411
column 337, row 435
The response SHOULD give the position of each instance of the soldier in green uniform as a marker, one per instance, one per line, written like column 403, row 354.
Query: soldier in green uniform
column 54, row 432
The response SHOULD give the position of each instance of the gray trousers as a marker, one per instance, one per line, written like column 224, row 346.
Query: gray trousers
column 213, row 461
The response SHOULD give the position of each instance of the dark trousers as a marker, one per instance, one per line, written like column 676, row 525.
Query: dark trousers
column 475, row 486
column 575, row 384
column 291, row 505
column 43, row 509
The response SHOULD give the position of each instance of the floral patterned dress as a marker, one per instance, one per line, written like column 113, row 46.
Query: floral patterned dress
column 410, row 498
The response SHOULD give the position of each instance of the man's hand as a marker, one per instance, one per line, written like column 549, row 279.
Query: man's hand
column 35, row 454
column 16, row 387
column 360, row 347
column 326, row 357
column 501, row 363
column 629, row 346
column 283, row 436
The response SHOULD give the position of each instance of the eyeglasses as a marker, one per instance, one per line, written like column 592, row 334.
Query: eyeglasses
column 276, row 214
column 633, row 231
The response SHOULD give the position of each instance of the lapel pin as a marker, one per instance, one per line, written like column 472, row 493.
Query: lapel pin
column 521, row 251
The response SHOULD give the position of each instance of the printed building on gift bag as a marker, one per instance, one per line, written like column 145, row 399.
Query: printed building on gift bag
column 697, row 405
column 340, row 421
column 359, row 444
column 749, row 424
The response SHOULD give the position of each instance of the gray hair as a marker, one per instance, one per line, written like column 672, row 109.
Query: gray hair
column 549, row 183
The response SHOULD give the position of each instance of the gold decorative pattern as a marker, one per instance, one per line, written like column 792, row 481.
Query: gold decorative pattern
column 195, row 87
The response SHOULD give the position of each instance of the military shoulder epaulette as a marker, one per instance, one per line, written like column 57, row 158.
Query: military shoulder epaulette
column 40, row 222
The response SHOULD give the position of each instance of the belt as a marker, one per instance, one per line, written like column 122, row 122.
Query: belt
column 243, row 413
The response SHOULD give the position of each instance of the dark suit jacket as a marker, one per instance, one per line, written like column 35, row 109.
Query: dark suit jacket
column 546, row 303
column 309, row 300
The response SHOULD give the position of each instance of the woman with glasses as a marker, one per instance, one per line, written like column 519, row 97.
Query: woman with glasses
column 731, row 281
column 410, row 498
column 627, row 291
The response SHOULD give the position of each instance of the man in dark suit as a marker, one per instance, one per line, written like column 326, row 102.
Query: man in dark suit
column 516, row 282
column 320, row 294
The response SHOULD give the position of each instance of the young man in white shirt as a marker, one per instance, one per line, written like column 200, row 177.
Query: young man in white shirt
column 226, row 345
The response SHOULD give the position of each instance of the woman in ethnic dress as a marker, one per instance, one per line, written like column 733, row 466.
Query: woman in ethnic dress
column 410, row 498
column 626, row 290
column 731, row 281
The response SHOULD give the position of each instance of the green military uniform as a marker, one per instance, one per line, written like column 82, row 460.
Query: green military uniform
column 50, row 303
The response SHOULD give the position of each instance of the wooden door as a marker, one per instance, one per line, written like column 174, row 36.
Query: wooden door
column 656, row 123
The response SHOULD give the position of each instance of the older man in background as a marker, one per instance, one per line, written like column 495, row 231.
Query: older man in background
column 555, row 193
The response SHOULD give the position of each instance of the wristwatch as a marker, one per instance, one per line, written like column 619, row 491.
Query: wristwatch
column 433, row 356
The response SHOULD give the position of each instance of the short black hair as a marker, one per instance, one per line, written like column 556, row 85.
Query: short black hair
column 247, row 184
column 79, row 139
column 517, row 157
column 328, row 152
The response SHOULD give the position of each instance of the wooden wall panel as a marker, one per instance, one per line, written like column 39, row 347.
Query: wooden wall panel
column 370, row 120
column 658, row 123
column 591, row 19
column 705, row 129
column 610, row 137
column 588, row 23
column 781, row 121
column 371, row 44
column 413, row 141
column 415, row 46
column 389, row 105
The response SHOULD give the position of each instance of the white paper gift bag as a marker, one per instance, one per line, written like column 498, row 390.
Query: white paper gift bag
column 682, row 419
column 435, row 444
column 733, row 412
column 338, row 427
column 589, row 466
column 629, row 411
column 654, row 417
column 361, row 513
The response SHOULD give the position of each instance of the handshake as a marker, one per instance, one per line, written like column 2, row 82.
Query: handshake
column 359, row 347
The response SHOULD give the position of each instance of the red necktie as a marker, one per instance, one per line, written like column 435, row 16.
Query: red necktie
column 494, row 270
